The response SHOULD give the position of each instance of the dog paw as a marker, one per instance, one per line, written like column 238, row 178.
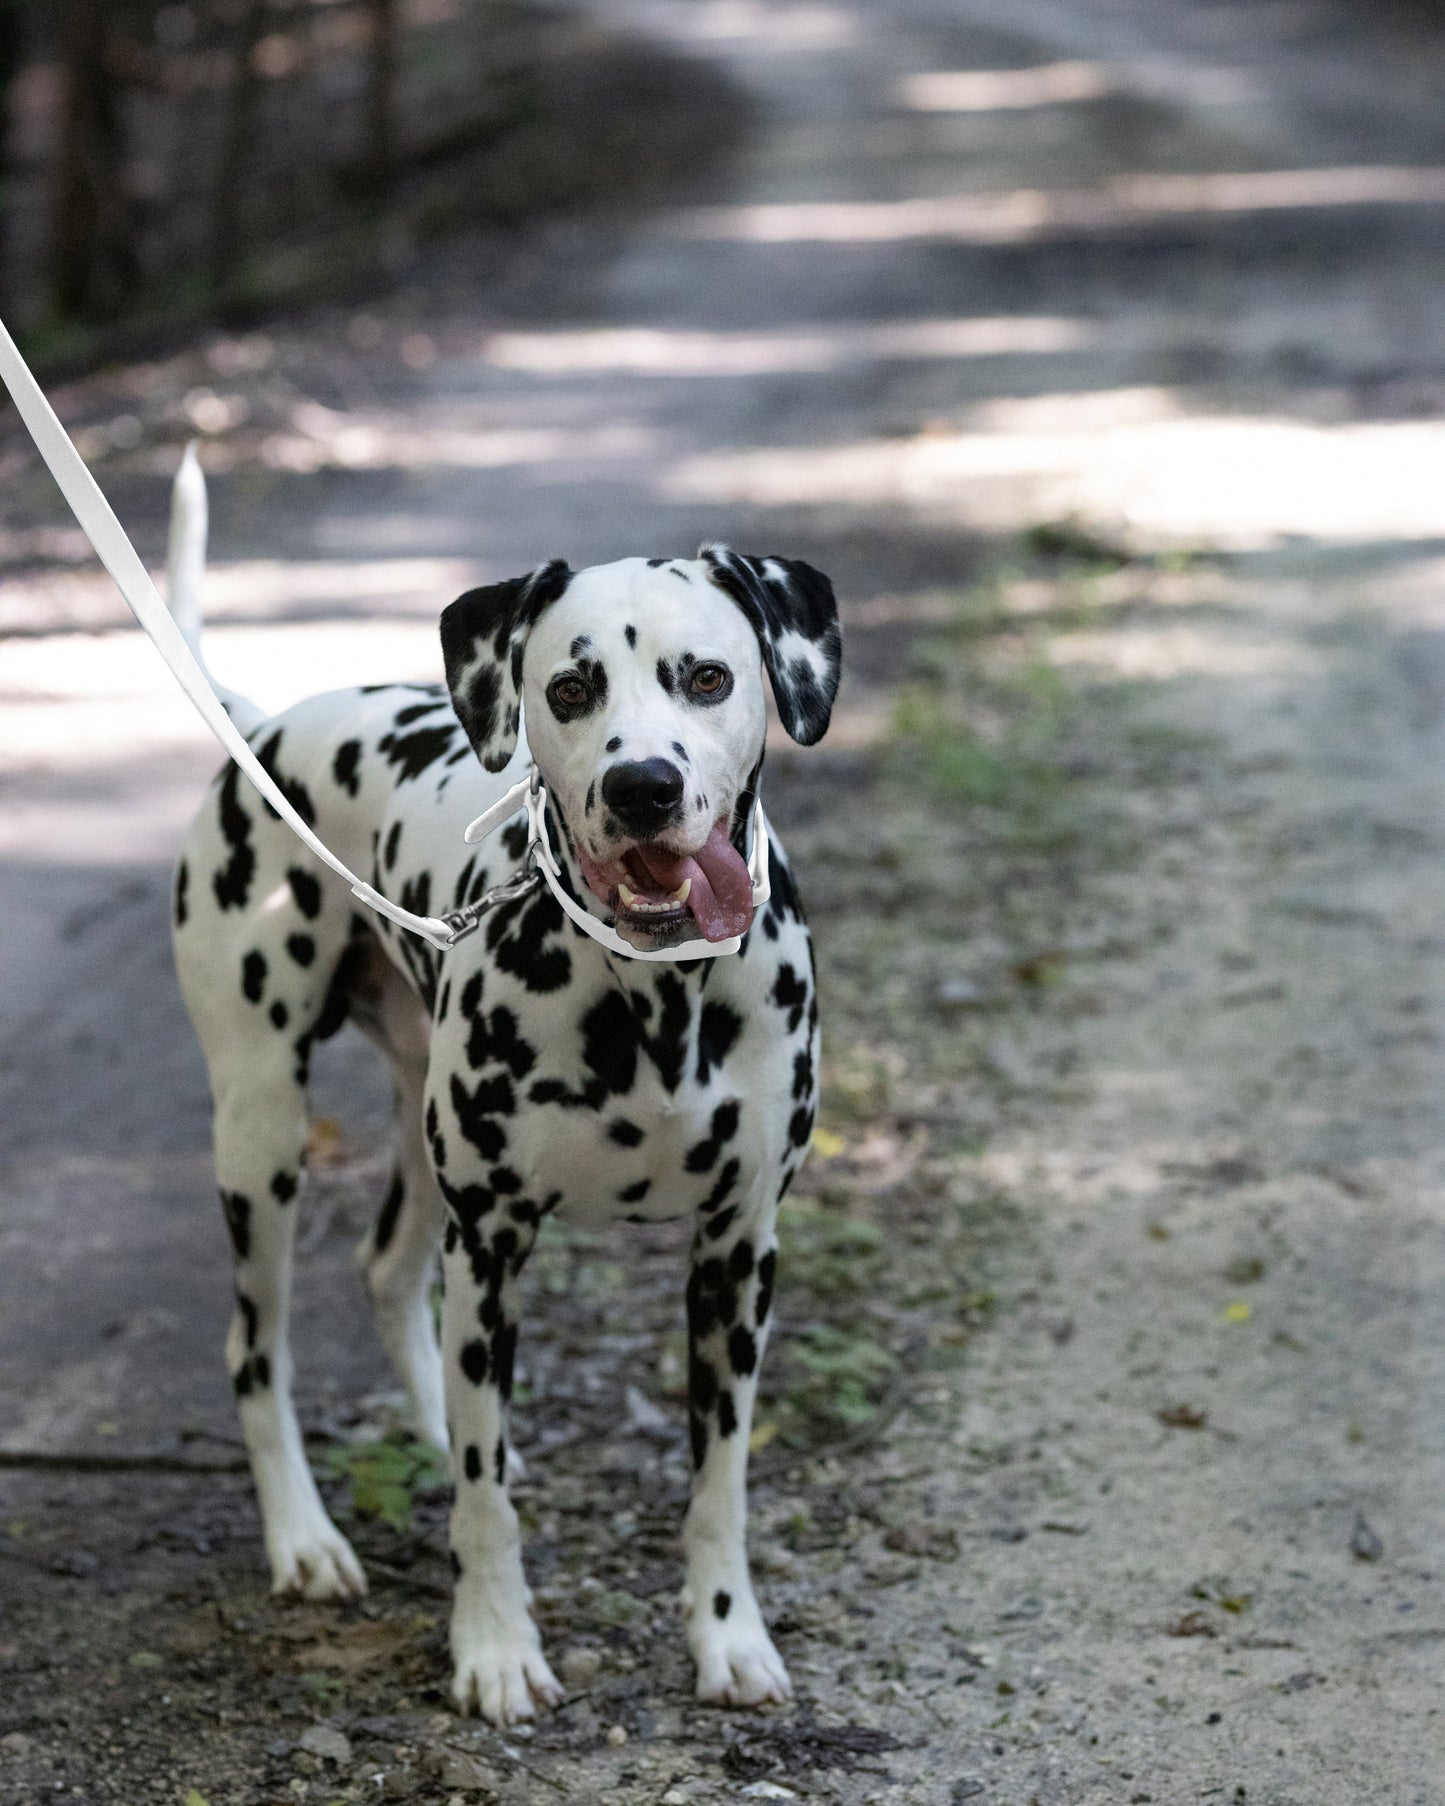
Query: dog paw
column 317, row 1563
column 737, row 1665
column 503, row 1677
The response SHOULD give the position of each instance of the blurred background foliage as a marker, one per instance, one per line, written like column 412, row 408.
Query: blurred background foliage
column 162, row 160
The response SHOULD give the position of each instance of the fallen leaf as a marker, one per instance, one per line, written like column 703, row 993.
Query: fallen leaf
column 324, row 1143
column 1238, row 1312
column 827, row 1143
column 762, row 1435
column 1182, row 1417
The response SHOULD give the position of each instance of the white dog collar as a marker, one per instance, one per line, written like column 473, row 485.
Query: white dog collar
column 540, row 858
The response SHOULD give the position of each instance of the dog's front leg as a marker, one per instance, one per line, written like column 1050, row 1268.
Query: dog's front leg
column 729, row 1301
column 499, row 1668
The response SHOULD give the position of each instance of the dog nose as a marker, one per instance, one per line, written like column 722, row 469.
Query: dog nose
column 643, row 793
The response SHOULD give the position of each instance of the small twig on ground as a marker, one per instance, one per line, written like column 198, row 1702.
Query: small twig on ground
column 81, row 1462
column 434, row 1589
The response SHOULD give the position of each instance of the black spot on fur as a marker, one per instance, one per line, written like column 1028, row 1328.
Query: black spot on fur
column 521, row 937
column 253, row 975
column 389, row 1215
column 232, row 884
column 626, row 1134
column 283, row 1186
column 393, row 844
column 727, row 1414
column 702, row 1386
column 344, row 766
column 634, row 1193
column 292, row 789
column 306, row 889
column 495, row 1040
column 473, row 1359
column 613, row 1037
column 499, row 1461
column 415, row 710
column 742, row 1351
column 454, row 1562
column 720, row 1193
column 183, row 885
column 790, row 993
column 280, row 1015
column 767, row 1271
column 236, row 1207
column 717, row 1030
column 515, row 836
column 703, row 1157
column 475, row 1113
column 667, row 677
column 249, row 1316
column 800, row 1128
column 412, row 754
column 630, row 634
column 302, row 948
column 740, row 1261
column 472, row 1462
column 722, row 1604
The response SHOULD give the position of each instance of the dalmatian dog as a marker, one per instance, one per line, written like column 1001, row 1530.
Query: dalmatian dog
column 535, row 1071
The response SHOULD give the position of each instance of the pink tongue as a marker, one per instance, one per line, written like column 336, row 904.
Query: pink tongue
column 721, row 898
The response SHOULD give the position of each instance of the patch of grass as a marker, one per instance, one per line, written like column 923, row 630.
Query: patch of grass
column 386, row 1475
column 1072, row 542
column 829, row 1255
column 835, row 1380
column 990, row 734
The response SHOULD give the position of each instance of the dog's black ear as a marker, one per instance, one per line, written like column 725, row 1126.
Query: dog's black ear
column 484, row 634
column 795, row 616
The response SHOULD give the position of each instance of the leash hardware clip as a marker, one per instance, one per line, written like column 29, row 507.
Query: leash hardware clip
column 463, row 922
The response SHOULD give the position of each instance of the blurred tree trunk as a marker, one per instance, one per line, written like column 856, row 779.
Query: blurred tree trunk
column 227, row 238
column 11, row 55
column 93, row 265
column 381, row 95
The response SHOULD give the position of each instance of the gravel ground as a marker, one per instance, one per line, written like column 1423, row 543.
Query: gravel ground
column 1097, row 350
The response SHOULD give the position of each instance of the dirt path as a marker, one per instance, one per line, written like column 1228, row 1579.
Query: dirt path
column 1108, row 1457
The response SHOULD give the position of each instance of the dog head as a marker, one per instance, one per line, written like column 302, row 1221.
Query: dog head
column 642, row 686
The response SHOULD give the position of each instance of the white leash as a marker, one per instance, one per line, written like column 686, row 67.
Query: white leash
column 119, row 556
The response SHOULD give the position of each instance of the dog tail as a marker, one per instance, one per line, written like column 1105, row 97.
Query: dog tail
column 186, row 575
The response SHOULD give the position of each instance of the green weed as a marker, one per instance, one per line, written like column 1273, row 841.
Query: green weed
column 386, row 1475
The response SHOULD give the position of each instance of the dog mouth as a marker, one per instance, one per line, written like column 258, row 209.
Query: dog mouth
column 656, row 892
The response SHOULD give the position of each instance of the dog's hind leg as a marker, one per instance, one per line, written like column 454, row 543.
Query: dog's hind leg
column 729, row 1305
column 260, row 1135
column 262, row 984
column 399, row 1254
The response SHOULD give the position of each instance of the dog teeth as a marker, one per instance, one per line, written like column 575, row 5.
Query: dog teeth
column 641, row 907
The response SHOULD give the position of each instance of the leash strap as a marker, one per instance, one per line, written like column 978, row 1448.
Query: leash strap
column 115, row 551
column 120, row 558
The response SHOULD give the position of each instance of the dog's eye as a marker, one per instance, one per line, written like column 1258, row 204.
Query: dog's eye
column 710, row 680
column 567, row 692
